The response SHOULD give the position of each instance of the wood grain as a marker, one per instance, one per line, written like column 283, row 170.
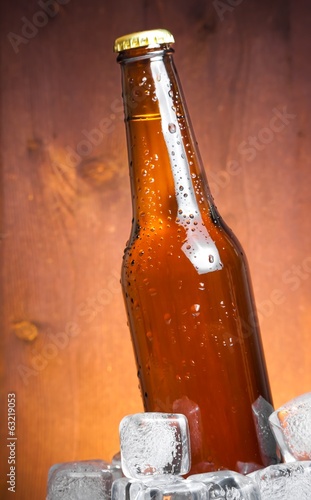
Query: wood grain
column 66, row 209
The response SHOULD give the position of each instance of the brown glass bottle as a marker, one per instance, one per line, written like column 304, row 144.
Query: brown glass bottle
column 184, row 276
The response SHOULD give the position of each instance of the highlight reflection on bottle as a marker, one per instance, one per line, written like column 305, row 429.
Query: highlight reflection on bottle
column 185, row 279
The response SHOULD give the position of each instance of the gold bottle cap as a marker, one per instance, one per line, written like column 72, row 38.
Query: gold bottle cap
column 150, row 39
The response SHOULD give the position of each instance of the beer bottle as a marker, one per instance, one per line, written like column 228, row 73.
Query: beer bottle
column 184, row 276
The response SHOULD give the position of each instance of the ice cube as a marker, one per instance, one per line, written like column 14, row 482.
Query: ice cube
column 162, row 488
column 125, row 488
column 116, row 460
column 284, row 481
column 82, row 480
column 154, row 444
column 291, row 425
column 192, row 412
column 267, row 445
column 227, row 485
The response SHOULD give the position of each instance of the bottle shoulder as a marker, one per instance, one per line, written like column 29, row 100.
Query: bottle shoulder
column 196, row 246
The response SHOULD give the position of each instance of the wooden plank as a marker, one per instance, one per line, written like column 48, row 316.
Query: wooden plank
column 66, row 204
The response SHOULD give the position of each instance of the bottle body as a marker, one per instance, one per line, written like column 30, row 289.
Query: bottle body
column 185, row 279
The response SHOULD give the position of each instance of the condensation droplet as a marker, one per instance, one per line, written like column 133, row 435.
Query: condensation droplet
column 149, row 336
column 144, row 172
column 167, row 318
column 201, row 286
column 211, row 258
column 170, row 93
column 172, row 128
column 152, row 292
column 195, row 309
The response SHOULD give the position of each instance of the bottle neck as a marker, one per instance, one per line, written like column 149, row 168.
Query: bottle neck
column 161, row 144
column 167, row 178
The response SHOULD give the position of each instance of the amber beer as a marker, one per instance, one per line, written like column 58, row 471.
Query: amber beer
column 184, row 276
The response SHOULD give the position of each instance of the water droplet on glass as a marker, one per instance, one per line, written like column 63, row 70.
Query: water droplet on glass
column 181, row 188
column 188, row 247
column 158, row 77
column 170, row 93
column 172, row 128
column 152, row 291
column 201, row 286
column 141, row 253
column 211, row 258
column 144, row 172
column 167, row 318
column 149, row 336
column 195, row 309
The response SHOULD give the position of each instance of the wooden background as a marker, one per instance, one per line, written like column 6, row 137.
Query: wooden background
column 66, row 203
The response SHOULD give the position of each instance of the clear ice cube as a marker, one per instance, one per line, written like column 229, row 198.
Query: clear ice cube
column 116, row 460
column 154, row 444
column 291, row 425
column 121, row 488
column 267, row 444
column 227, row 485
column 82, row 480
column 163, row 488
column 290, row 481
